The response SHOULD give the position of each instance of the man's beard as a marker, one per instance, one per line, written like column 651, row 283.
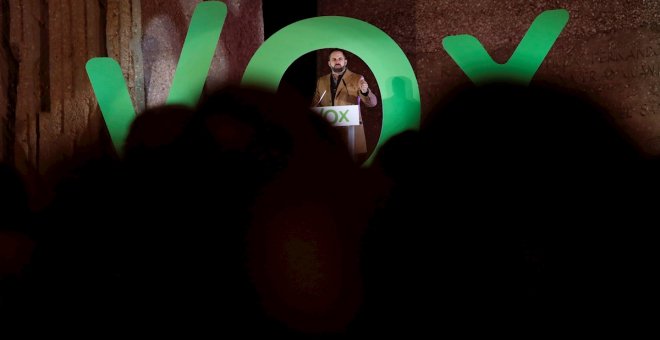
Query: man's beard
column 338, row 69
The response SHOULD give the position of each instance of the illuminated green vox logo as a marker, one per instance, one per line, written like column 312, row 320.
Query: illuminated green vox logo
column 391, row 68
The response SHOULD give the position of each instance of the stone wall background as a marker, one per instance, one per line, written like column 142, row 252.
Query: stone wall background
column 609, row 49
column 48, row 112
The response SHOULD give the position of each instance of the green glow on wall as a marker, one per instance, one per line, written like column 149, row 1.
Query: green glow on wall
column 395, row 76
column 477, row 64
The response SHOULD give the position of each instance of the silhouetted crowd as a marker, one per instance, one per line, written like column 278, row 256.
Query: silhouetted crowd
column 513, row 211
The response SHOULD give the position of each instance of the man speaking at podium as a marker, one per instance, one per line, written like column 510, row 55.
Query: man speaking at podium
column 343, row 87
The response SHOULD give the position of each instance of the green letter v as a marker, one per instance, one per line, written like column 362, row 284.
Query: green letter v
column 473, row 59
column 189, row 78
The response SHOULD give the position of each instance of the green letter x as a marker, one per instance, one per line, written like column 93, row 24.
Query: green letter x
column 473, row 59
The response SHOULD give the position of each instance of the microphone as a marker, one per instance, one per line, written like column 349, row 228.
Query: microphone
column 320, row 99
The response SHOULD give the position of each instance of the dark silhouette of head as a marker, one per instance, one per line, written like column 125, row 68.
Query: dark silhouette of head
column 501, row 208
column 13, row 198
column 307, row 213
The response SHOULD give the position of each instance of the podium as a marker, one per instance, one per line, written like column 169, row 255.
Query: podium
column 342, row 115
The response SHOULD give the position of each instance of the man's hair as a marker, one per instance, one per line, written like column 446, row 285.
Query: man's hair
column 337, row 50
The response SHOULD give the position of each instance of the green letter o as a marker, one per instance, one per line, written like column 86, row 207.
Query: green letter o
column 398, row 85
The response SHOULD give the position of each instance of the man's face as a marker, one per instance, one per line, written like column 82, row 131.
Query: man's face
column 337, row 62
